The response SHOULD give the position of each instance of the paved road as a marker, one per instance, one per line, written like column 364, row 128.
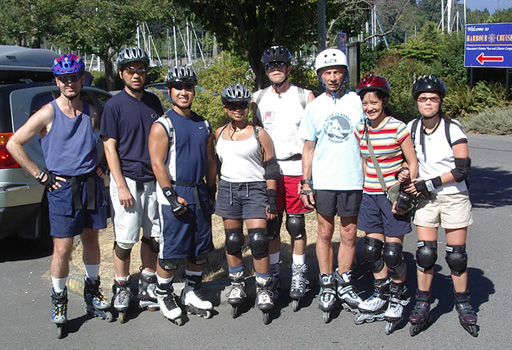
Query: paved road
column 24, row 306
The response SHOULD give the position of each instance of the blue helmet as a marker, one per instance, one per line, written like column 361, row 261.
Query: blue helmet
column 68, row 64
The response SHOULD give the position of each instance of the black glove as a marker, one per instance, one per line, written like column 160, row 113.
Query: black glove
column 170, row 194
column 428, row 185
column 272, row 201
column 50, row 179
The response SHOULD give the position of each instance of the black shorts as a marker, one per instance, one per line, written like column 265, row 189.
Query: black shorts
column 343, row 203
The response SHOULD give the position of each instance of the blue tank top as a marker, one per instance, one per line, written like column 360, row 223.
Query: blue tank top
column 70, row 146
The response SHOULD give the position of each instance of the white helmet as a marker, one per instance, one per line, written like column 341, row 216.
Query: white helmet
column 330, row 58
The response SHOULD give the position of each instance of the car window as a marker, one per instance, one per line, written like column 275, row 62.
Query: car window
column 40, row 100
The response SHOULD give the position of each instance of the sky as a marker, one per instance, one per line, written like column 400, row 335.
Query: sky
column 491, row 5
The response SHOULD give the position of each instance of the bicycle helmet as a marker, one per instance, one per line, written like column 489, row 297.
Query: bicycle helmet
column 68, row 64
column 130, row 55
column 428, row 83
column 180, row 74
column 373, row 82
column 276, row 53
column 330, row 58
column 236, row 93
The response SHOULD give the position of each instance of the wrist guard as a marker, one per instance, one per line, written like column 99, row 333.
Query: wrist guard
column 428, row 185
column 170, row 194
column 50, row 179
column 272, row 201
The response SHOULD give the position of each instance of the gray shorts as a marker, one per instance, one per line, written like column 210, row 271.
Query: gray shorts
column 343, row 203
column 247, row 200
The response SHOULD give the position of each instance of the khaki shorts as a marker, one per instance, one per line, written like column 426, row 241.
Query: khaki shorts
column 451, row 211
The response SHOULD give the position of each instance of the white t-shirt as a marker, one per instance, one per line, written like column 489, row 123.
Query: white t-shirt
column 436, row 157
column 337, row 163
column 281, row 115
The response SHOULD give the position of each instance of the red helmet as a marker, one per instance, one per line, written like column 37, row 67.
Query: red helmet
column 373, row 82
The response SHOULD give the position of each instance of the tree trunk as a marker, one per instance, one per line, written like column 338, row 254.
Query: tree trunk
column 109, row 73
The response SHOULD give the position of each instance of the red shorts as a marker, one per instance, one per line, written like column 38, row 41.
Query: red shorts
column 288, row 197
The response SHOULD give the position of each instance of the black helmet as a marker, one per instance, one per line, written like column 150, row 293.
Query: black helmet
column 236, row 93
column 276, row 54
column 180, row 74
column 131, row 54
column 428, row 83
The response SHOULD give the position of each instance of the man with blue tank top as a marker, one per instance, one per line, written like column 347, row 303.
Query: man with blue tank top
column 185, row 166
column 126, row 122
column 75, row 190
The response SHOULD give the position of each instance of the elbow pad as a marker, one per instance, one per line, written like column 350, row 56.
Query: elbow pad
column 271, row 169
column 462, row 169
column 170, row 194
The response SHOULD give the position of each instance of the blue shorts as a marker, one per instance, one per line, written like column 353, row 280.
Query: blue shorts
column 65, row 221
column 375, row 216
column 185, row 236
column 344, row 203
column 246, row 200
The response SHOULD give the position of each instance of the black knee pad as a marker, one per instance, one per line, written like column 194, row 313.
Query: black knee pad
column 372, row 252
column 168, row 264
column 121, row 253
column 296, row 225
column 199, row 260
column 234, row 240
column 153, row 244
column 426, row 255
column 392, row 256
column 274, row 227
column 457, row 258
column 258, row 242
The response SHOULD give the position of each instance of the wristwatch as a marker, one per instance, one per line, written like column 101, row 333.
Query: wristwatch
column 306, row 182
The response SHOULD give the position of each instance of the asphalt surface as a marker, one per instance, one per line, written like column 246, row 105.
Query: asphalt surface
column 25, row 302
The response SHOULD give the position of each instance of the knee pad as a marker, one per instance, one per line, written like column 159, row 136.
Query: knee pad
column 392, row 256
column 123, row 250
column 296, row 225
column 457, row 258
column 152, row 242
column 274, row 227
column 199, row 260
column 426, row 255
column 234, row 240
column 372, row 252
column 168, row 264
column 258, row 242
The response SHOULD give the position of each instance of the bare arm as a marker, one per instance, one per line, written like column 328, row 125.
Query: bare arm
column 211, row 163
column 114, row 164
column 307, row 163
column 268, row 147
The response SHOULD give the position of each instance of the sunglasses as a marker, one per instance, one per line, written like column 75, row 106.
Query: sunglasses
column 274, row 65
column 69, row 78
column 434, row 99
column 235, row 106
column 183, row 86
column 132, row 71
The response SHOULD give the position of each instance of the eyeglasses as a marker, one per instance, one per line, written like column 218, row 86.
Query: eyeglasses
column 274, row 65
column 69, row 78
column 183, row 86
column 132, row 71
column 434, row 99
column 235, row 106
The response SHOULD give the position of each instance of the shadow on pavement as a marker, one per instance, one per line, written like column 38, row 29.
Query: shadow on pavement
column 490, row 187
column 17, row 249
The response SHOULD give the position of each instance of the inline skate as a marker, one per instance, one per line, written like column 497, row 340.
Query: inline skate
column 95, row 302
column 467, row 316
column 193, row 300
column 373, row 308
column 122, row 297
column 60, row 311
column 298, row 284
column 327, row 295
column 147, row 296
column 236, row 295
column 264, row 297
column 347, row 294
column 167, row 301
column 396, row 303
column 420, row 314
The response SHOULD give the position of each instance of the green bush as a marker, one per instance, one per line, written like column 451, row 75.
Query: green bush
column 494, row 121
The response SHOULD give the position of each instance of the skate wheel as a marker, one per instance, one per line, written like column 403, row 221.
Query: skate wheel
column 234, row 311
column 178, row 322
column 390, row 327
column 326, row 316
column 414, row 330
column 109, row 317
column 266, row 318
column 122, row 317
column 359, row 319
column 473, row 330
column 295, row 305
column 60, row 331
column 208, row 314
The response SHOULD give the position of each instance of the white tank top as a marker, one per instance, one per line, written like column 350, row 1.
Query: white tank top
column 280, row 116
column 240, row 160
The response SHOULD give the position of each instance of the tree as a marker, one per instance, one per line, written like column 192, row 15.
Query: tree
column 248, row 27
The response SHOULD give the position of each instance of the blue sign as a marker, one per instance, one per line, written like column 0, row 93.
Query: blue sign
column 488, row 45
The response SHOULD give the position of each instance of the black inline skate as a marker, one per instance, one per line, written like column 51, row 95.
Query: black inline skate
column 373, row 308
column 420, row 314
column 467, row 316
column 396, row 302
column 95, row 302
column 60, row 311
column 236, row 295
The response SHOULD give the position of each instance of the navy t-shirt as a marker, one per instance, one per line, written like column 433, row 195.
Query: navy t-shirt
column 129, row 121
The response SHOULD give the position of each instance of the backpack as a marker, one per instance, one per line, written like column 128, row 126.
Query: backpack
column 447, row 123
